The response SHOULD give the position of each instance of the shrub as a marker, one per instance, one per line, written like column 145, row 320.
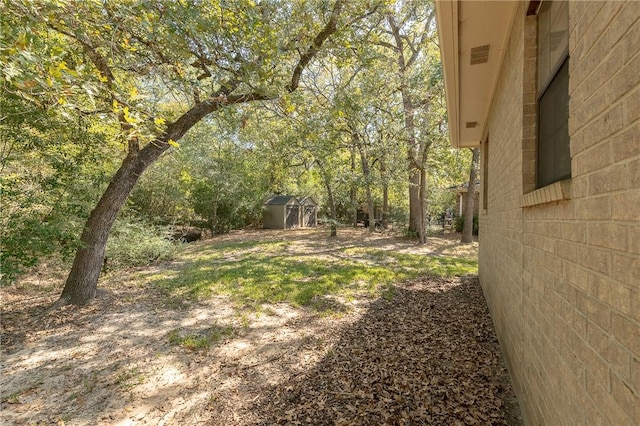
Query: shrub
column 458, row 224
column 136, row 243
column 26, row 241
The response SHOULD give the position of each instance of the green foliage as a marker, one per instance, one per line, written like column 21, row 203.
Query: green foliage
column 162, row 193
column 66, row 124
column 134, row 242
column 28, row 240
column 458, row 224
column 52, row 171
column 440, row 200
column 211, row 181
column 267, row 272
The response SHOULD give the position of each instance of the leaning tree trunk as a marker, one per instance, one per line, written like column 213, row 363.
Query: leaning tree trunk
column 469, row 198
column 82, row 281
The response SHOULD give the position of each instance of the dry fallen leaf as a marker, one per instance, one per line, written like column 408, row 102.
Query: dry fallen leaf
column 428, row 356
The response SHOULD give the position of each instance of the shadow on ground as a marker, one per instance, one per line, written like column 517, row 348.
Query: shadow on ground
column 424, row 355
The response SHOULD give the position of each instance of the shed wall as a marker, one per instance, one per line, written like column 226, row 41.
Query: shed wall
column 273, row 217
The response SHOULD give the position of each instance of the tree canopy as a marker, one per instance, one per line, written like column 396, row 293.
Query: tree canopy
column 200, row 109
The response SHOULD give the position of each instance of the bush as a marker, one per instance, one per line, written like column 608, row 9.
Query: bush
column 26, row 241
column 136, row 243
column 458, row 224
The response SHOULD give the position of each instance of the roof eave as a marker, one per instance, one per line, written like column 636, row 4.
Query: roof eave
column 447, row 19
column 463, row 25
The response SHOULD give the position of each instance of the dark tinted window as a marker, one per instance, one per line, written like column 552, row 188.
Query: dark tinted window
column 554, row 160
column 553, row 157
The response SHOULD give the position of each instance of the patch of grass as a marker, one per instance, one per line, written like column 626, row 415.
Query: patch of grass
column 389, row 292
column 128, row 379
column 244, row 321
column 89, row 382
column 199, row 341
column 65, row 418
column 14, row 398
column 252, row 273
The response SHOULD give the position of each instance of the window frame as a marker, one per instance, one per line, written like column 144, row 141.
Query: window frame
column 484, row 162
column 545, row 179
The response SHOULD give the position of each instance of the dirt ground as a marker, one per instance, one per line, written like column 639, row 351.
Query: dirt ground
column 426, row 353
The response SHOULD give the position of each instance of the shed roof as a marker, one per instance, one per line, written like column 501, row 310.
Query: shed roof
column 279, row 200
column 308, row 200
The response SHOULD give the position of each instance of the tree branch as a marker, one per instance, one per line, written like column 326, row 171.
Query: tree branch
column 102, row 66
column 396, row 35
column 312, row 50
column 387, row 45
column 423, row 39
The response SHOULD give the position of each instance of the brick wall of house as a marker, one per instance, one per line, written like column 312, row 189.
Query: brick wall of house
column 501, row 217
column 560, row 266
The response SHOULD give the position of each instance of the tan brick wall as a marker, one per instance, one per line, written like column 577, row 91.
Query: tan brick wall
column 562, row 278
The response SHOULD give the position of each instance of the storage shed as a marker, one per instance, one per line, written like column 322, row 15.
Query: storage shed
column 308, row 212
column 281, row 212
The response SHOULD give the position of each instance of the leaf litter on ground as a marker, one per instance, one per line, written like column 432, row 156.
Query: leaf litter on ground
column 424, row 352
column 428, row 356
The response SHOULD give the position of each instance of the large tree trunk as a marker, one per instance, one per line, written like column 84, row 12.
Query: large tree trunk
column 469, row 198
column 416, row 162
column 415, row 209
column 422, row 234
column 82, row 281
column 327, row 184
column 353, row 193
column 366, row 172
column 385, row 194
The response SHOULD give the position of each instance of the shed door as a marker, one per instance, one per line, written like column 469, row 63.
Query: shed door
column 309, row 216
column 293, row 217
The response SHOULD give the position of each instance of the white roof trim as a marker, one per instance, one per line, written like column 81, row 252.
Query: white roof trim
column 447, row 21
column 463, row 25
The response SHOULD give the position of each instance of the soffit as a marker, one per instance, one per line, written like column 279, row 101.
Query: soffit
column 473, row 41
